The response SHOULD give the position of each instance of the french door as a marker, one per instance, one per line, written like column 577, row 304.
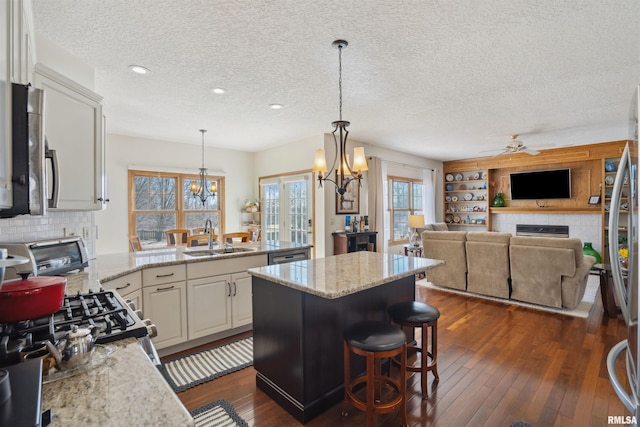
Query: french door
column 286, row 208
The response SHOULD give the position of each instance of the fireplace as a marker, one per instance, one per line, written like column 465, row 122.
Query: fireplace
column 536, row 230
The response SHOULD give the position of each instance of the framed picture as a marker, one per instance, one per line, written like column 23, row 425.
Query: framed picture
column 594, row 200
column 350, row 204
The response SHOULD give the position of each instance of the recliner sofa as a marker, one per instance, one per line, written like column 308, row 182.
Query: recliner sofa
column 549, row 270
column 542, row 270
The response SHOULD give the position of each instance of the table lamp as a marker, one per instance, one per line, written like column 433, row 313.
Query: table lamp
column 415, row 222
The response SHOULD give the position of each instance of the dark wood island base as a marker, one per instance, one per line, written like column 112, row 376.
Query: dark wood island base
column 297, row 341
column 300, row 311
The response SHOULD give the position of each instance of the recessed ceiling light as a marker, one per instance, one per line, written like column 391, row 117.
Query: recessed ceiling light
column 218, row 90
column 276, row 106
column 139, row 69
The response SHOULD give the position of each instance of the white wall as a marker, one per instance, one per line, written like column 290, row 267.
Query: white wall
column 124, row 153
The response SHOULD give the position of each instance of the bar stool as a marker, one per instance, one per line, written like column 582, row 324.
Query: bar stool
column 375, row 341
column 416, row 314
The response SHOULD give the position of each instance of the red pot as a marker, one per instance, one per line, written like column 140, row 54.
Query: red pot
column 30, row 298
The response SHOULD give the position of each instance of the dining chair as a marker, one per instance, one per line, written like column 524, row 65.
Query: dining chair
column 243, row 235
column 200, row 239
column 134, row 243
column 177, row 235
column 255, row 234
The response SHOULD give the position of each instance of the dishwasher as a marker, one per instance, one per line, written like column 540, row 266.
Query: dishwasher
column 292, row 255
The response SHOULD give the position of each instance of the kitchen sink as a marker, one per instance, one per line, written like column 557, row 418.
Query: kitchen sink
column 220, row 251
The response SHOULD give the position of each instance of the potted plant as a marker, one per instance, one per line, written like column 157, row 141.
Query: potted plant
column 251, row 205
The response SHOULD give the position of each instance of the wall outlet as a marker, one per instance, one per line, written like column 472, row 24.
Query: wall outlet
column 69, row 232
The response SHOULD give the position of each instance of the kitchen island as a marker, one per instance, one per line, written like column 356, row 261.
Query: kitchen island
column 300, row 310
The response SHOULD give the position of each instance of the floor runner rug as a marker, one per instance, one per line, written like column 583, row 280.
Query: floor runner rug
column 217, row 414
column 582, row 310
column 189, row 371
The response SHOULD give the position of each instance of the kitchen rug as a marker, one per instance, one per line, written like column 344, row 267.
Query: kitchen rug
column 582, row 310
column 217, row 414
column 189, row 371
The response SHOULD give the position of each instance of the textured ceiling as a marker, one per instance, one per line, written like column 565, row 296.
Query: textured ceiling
column 441, row 79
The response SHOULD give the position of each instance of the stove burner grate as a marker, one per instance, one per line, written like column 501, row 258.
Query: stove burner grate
column 101, row 310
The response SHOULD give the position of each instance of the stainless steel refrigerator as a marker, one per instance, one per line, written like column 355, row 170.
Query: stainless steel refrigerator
column 623, row 225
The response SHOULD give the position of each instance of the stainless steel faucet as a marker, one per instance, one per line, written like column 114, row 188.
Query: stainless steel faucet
column 208, row 228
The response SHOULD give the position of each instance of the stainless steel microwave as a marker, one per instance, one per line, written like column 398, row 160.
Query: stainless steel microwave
column 34, row 176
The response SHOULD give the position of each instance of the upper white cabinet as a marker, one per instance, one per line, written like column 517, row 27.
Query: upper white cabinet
column 24, row 55
column 5, row 105
column 74, row 129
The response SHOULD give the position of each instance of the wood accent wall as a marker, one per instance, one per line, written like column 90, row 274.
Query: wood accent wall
column 585, row 161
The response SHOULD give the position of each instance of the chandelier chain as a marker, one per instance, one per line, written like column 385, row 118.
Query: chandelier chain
column 340, row 77
column 203, row 131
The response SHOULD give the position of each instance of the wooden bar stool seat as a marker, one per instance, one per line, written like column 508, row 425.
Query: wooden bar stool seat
column 416, row 314
column 375, row 341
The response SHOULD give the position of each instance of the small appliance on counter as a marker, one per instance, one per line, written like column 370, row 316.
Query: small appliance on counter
column 49, row 257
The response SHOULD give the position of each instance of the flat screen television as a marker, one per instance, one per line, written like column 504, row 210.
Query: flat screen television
column 538, row 185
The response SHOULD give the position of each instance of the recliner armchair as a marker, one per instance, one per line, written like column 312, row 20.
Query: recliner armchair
column 448, row 246
column 549, row 271
column 488, row 269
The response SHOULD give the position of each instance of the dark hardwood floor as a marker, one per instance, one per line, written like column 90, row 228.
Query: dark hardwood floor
column 497, row 363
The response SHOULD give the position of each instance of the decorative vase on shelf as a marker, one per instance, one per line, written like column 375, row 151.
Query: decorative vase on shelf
column 587, row 249
column 498, row 201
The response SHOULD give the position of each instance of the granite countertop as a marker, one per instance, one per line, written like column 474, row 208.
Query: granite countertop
column 125, row 389
column 341, row 275
column 127, row 386
column 112, row 266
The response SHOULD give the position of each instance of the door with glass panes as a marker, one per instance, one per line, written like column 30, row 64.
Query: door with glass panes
column 286, row 208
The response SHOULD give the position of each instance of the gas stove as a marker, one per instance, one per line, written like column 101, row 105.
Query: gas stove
column 105, row 312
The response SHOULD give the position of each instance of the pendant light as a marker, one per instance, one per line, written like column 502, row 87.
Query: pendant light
column 199, row 188
column 344, row 171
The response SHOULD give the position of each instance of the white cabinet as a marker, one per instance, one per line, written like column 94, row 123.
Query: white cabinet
column 22, row 42
column 241, row 300
column 128, row 286
column 209, row 305
column 218, row 303
column 164, row 292
column 74, row 128
column 219, row 294
column 6, row 198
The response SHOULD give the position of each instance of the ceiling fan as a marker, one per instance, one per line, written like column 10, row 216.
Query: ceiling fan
column 516, row 146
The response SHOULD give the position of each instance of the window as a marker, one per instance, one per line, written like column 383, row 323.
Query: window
column 286, row 207
column 161, row 201
column 407, row 198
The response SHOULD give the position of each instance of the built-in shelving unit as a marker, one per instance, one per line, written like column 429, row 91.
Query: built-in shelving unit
column 609, row 174
column 250, row 219
column 466, row 196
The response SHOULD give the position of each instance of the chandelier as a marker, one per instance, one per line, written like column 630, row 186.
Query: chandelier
column 344, row 171
column 199, row 188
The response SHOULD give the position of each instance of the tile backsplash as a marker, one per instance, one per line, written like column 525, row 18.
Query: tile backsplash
column 53, row 224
